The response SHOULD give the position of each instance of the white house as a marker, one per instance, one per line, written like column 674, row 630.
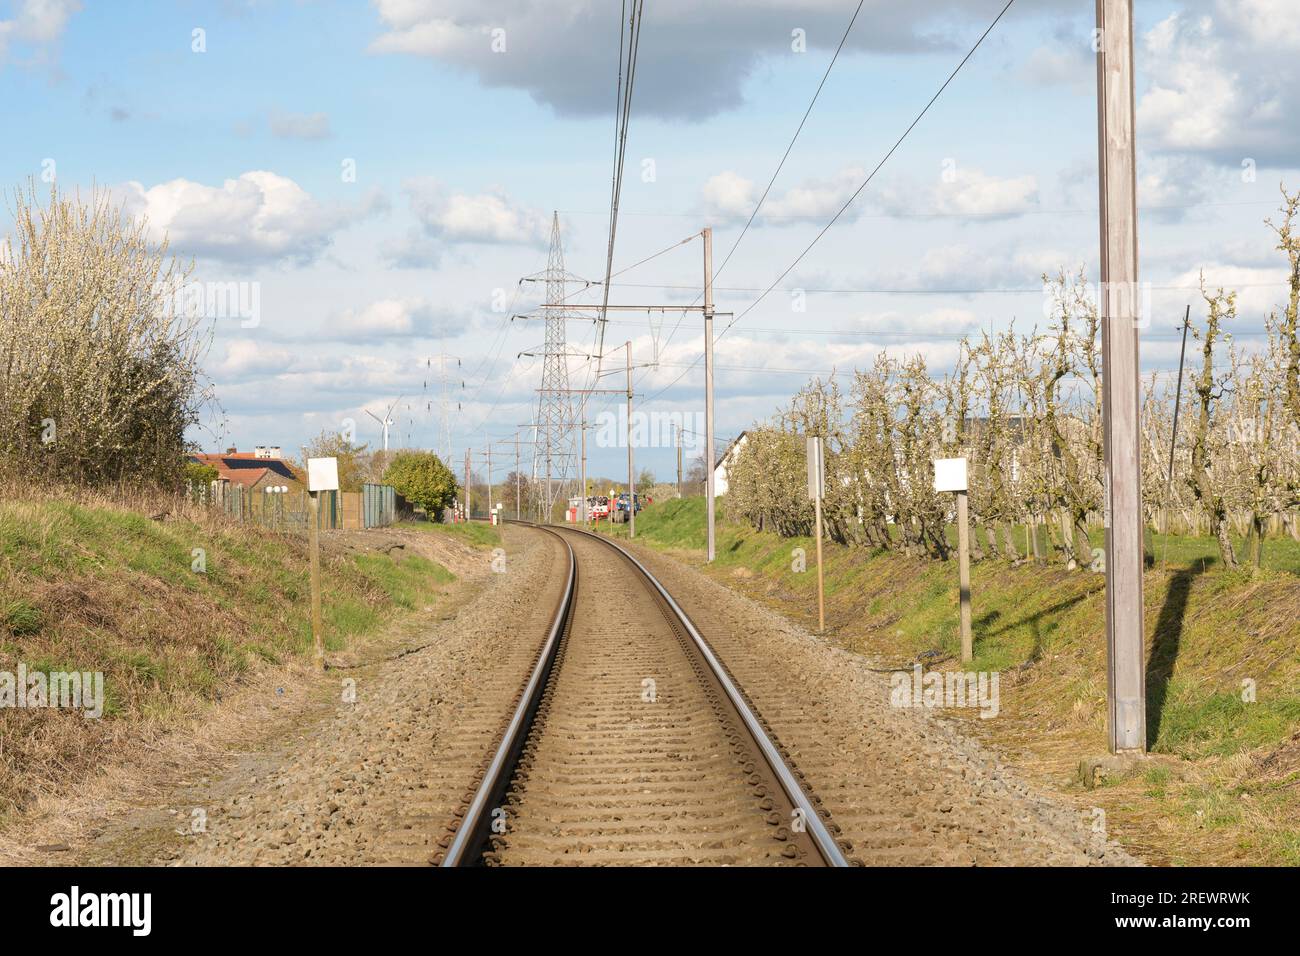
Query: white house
column 726, row 461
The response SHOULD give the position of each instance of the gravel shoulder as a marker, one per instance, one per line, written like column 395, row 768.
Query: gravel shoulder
column 361, row 765
column 903, row 784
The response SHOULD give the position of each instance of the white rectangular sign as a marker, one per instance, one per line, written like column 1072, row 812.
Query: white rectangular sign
column 950, row 474
column 816, row 469
column 322, row 474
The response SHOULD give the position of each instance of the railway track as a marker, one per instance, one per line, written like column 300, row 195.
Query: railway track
column 630, row 743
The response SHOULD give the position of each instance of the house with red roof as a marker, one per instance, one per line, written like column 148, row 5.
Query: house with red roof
column 253, row 470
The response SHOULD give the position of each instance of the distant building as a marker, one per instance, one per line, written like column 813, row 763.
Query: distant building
column 726, row 461
column 255, row 471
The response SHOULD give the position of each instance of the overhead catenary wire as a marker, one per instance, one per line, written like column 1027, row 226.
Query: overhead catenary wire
column 779, row 166
column 857, row 192
column 621, row 122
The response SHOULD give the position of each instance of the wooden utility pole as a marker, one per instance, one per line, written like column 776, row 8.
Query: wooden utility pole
column 322, row 475
column 678, row 431
column 950, row 475
column 1120, row 311
column 631, row 476
column 816, row 489
column 468, row 510
column 708, row 383
column 317, row 626
column 963, row 576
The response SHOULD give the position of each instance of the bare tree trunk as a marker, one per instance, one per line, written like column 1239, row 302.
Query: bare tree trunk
column 1067, row 540
column 1008, row 542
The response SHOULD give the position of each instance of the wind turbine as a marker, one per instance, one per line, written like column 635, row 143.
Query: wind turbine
column 386, row 420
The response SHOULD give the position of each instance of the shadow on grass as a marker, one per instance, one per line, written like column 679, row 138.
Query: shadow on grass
column 1164, row 646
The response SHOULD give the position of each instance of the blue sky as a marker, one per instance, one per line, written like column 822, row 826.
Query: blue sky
column 461, row 155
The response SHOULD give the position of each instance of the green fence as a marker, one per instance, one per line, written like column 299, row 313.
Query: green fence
column 289, row 511
column 378, row 506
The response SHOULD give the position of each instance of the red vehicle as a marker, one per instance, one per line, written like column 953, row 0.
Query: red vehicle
column 597, row 507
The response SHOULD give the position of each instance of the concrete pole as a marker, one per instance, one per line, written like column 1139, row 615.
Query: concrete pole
column 467, row 492
column 583, row 505
column 631, row 476
column 517, row 481
column 963, row 576
column 708, row 384
column 489, row 481
column 1121, row 397
column 821, row 585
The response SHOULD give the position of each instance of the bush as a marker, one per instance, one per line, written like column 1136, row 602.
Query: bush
column 422, row 479
column 99, row 375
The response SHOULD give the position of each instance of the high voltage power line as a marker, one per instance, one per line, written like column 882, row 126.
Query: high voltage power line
column 857, row 192
column 779, row 166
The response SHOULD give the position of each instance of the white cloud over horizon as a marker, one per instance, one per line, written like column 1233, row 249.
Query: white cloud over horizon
column 259, row 216
column 35, row 24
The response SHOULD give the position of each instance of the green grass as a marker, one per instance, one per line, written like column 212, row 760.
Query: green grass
column 1223, row 724
column 103, row 588
column 111, row 589
column 480, row 534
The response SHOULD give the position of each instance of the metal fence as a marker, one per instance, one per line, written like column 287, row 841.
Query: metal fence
column 374, row 506
column 287, row 511
column 378, row 506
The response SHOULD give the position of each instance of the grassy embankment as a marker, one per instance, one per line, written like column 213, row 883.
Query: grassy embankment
column 478, row 534
column 96, row 586
column 1223, row 784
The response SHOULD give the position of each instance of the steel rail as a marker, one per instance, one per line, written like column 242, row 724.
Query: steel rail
column 475, row 826
column 820, row 835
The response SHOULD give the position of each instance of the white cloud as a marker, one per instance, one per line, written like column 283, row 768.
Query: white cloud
column 817, row 198
column 958, row 191
column 1224, row 86
column 300, row 125
column 396, row 319
column 258, row 216
column 959, row 266
column 896, row 327
column 446, row 218
column 1168, row 185
column 973, row 193
column 1260, row 290
column 249, row 358
column 36, row 23
column 490, row 217
column 730, row 196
